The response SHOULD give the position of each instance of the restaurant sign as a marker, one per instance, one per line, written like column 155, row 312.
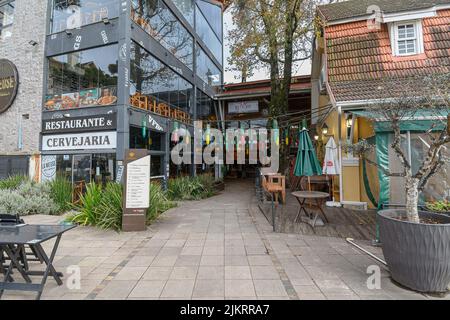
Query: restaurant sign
column 80, row 124
column 80, row 141
column 243, row 107
column 9, row 82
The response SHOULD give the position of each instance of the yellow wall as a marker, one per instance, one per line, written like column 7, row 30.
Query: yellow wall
column 351, row 183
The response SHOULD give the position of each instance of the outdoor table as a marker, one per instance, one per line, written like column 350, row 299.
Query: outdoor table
column 12, row 241
column 303, row 196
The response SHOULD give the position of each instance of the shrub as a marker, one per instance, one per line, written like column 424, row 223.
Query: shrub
column 27, row 199
column 12, row 182
column 61, row 193
column 191, row 188
column 159, row 202
column 439, row 206
column 109, row 211
column 89, row 201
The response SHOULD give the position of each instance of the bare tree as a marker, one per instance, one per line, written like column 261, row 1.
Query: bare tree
column 412, row 99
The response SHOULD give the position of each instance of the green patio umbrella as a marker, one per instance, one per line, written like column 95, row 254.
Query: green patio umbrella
column 307, row 164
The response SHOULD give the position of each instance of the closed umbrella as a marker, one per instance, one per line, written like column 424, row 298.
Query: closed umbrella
column 306, row 164
column 331, row 162
column 331, row 166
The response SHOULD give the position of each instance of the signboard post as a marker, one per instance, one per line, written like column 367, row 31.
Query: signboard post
column 136, row 199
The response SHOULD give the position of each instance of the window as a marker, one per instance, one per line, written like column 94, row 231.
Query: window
column 213, row 13
column 207, row 70
column 205, row 107
column 152, row 78
column 208, row 36
column 71, row 14
column 158, row 21
column 186, row 7
column 408, row 38
column 6, row 20
column 82, row 79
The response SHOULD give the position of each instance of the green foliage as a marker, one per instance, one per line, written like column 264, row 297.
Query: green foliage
column 102, row 207
column 191, row 188
column 12, row 182
column 109, row 211
column 89, row 202
column 439, row 206
column 28, row 198
column 159, row 202
column 61, row 193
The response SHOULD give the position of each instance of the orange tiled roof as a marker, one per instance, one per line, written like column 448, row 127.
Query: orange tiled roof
column 358, row 57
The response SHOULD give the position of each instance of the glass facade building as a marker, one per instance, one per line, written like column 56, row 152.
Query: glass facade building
column 122, row 75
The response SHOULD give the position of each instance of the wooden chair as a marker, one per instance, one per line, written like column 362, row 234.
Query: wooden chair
column 164, row 110
column 139, row 101
column 276, row 185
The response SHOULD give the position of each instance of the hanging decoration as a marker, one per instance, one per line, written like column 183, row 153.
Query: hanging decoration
column 287, row 133
column 175, row 137
column 277, row 133
column 144, row 127
column 208, row 135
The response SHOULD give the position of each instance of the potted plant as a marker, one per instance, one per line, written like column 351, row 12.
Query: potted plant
column 416, row 244
column 442, row 207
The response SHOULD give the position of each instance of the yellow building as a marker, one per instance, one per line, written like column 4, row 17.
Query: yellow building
column 353, row 53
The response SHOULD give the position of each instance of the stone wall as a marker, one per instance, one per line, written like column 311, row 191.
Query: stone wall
column 29, row 25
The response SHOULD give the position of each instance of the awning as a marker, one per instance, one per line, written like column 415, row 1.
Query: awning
column 419, row 121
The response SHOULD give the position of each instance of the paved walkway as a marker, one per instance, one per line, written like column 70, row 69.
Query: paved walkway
column 220, row 248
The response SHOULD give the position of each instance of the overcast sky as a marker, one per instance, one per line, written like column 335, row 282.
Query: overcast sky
column 302, row 69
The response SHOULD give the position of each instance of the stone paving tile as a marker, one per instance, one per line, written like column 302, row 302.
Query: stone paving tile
column 264, row 273
column 213, row 251
column 237, row 272
column 239, row 260
column 239, row 288
column 260, row 260
column 187, row 261
column 209, row 288
column 184, row 273
column 269, row 288
column 148, row 289
column 117, row 289
column 178, row 289
column 211, row 273
column 164, row 261
column 192, row 251
column 131, row 273
column 157, row 273
column 140, row 261
column 212, row 261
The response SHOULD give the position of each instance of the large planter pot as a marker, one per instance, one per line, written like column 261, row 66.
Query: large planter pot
column 418, row 255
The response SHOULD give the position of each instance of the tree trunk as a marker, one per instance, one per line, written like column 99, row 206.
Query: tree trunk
column 412, row 199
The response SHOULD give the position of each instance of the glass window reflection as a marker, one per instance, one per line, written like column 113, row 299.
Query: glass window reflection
column 207, row 70
column 71, row 14
column 208, row 36
column 6, row 20
column 186, row 7
column 157, row 20
column 213, row 13
column 150, row 77
column 82, row 79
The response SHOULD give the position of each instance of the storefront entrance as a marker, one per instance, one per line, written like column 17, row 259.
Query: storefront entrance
column 81, row 172
column 82, row 169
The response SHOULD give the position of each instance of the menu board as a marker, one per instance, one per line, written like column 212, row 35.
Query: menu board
column 138, row 184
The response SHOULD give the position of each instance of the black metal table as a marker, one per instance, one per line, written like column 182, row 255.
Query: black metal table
column 13, row 239
column 303, row 196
